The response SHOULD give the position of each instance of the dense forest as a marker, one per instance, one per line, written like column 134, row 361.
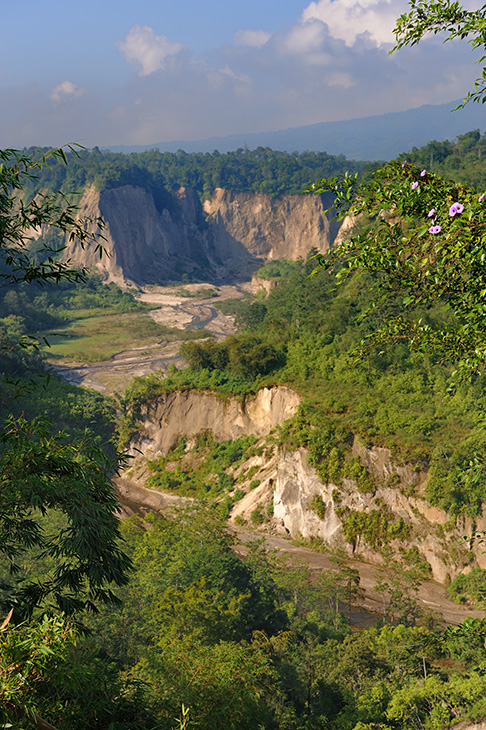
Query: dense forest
column 262, row 170
column 201, row 637
column 461, row 159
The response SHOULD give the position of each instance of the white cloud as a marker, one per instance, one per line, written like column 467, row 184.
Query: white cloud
column 340, row 78
column 349, row 19
column 143, row 47
column 331, row 64
column 227, row 71
column 65, row 90
column 253, row 38
column 304, row 38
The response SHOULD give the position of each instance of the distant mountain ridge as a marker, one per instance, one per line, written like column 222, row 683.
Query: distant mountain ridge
column 381, row 137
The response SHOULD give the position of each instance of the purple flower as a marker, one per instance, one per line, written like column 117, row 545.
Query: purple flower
column 434, row 230
column 481, row 197
column 404, row 163
column 423, row 173
column 431, row 213
column 414, row 185
column 455, row 209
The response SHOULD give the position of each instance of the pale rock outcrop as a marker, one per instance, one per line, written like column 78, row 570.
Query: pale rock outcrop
column 188, row 413
column 285, row 229
column 232, row 236
column 142, row 244
column 267, row 285
column 297, row 483
column 286, row 479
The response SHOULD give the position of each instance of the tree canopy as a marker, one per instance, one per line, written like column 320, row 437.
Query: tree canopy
column 42, row 470
column 421, row 237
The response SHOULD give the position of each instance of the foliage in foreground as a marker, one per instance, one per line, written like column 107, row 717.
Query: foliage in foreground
column 42, row 471
column 260, row 642
column 426, row 246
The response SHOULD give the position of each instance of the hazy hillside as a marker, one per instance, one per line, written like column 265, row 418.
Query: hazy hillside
column 380, row 137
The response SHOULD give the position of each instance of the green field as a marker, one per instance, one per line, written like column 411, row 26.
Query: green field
column 93, row 336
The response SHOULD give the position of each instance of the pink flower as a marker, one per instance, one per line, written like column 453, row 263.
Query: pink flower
column 431, row 213
column 455, row 209
column 414, row 185
column 481, row 197
column 404, row 163
column 434, row 230
column 423, row 173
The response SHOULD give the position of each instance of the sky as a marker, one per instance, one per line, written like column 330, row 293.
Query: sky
column 113, row 72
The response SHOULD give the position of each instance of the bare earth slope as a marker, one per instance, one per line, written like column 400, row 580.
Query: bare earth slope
column 230, row 238
column 287, row 484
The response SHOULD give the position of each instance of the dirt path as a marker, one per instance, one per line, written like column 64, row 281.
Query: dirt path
column 432, row 596
column 176, row 310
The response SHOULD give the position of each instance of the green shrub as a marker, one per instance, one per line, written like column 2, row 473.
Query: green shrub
column 318, row 506
column 469, row 588
column 375, row 527
column 257, row 517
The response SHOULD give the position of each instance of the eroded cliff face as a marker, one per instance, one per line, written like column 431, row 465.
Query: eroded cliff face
column 185, row 414
column 230, row 237
column 190, row 412
column 142, row 244
column 440, row 543
column 287, row 229
column 281, row 486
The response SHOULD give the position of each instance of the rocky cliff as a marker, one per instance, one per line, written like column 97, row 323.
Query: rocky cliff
column 268, row 229
column 191, row 412
column 231, row 236
column 282, row 487
column 428, row 529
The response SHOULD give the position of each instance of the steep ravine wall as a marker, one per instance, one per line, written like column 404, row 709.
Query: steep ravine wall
column 296, row 483
column 233, row 235
column 188, row 413
column 288, row 483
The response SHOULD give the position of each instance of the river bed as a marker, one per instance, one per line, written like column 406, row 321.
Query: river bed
column 183, row 307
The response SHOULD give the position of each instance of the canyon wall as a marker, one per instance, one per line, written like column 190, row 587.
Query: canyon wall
column 188, row 413
column 286, row 484
column 228, row 238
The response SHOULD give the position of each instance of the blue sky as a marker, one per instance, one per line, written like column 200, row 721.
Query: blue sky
column 118, row 72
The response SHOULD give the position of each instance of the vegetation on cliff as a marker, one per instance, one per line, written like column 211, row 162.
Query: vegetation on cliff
column 304, row 335
column 262, row 170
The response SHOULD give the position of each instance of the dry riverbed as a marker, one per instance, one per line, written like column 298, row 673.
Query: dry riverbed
column 431, row 596
column 188, row 306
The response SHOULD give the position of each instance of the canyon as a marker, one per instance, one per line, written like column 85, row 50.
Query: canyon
column 285, row 487
column 224, row 239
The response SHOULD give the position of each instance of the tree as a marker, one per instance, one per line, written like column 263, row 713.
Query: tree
column 425, row 242
column 426, row 245
column 59, row 536
column 445, row 15
column 40, row 471
column 339, row 587
column 22, row 220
